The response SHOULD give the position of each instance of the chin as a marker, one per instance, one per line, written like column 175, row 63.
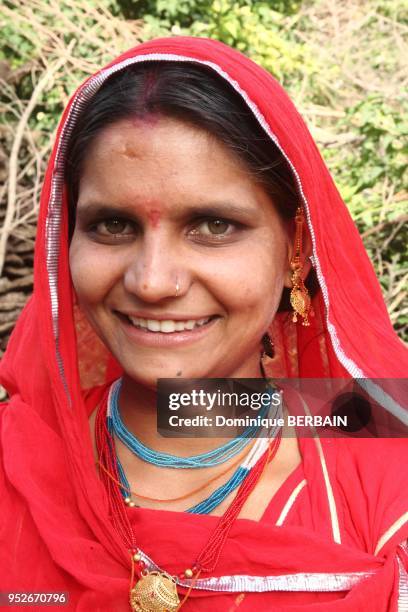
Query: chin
column 149, row 377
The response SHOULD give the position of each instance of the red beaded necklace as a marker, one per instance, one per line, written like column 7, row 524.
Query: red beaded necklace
column 159, row 588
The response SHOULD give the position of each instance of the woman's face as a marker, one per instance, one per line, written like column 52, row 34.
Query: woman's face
column 178, row 257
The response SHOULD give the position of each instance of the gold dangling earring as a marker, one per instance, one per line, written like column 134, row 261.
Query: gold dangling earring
column 299, row 295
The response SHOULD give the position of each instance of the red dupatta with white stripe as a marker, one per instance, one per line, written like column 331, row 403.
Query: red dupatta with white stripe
column 56, row 531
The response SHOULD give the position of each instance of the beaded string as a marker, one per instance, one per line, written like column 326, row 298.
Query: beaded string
column 129, row 491
column 217, row 496
column 205, row 506
column 105, row 446
column 132, row 575
column 211, row 458
column 299, row 219
column 209, row 556
column 190, row 588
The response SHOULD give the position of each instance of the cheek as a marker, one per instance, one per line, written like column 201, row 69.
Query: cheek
column 258, row 296
column 92, row 273
column 270, row 280
column 250, row 282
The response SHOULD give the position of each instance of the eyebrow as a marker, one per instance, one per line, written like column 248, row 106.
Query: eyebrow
column 95, row 210
column 219, row 209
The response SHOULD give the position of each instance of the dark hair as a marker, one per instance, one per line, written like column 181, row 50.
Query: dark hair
column 194, row 94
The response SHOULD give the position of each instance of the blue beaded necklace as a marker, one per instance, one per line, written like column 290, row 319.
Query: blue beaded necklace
column 217, row 496
column 211, row 458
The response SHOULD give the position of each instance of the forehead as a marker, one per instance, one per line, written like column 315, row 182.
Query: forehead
column 158, row 160
column 156, row 138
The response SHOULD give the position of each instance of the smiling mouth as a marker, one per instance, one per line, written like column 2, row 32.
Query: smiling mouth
column 168, row 326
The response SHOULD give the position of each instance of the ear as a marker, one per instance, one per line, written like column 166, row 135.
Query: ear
column 307, row 251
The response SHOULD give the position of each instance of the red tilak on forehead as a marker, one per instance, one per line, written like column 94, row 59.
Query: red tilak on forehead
column 154, row 217
column 150, row 209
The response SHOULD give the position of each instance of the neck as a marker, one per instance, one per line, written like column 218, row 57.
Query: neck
column 138, row 409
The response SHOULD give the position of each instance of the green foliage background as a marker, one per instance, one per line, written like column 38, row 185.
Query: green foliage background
column 342, row 63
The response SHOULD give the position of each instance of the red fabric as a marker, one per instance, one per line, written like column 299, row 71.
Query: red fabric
column 56, row 533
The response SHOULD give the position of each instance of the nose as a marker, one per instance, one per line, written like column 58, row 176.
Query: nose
column 155, row 271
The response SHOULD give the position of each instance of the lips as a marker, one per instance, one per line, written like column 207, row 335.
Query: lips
column 169, row 324
column 157, row 333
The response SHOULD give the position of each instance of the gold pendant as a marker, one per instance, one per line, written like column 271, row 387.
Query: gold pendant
column 301, row 303
column 154, row 592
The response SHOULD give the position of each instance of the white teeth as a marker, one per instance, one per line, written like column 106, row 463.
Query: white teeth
column 153, row 325
column 168, row 326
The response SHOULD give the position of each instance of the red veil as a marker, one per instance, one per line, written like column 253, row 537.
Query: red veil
column 331, row 538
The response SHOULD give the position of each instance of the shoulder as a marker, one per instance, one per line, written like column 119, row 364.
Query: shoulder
column 371, row 478
column 361, row 450
column 374, row 459
column 371, row 460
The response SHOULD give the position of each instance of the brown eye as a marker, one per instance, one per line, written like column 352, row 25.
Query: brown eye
column 115, row 226
column 113, row 230
column 216, row 231
column 217, row 226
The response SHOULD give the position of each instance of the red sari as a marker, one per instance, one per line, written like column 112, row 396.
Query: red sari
column 332, row 538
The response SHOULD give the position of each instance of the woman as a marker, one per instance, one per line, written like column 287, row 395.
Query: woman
column 183, row 239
